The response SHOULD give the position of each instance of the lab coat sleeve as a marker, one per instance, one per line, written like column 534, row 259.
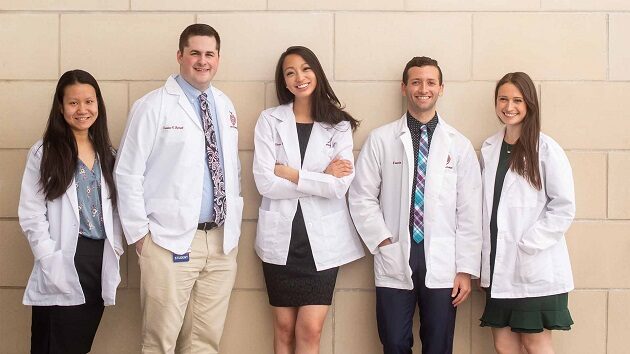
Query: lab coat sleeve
column 325, row 185
column 269, row 185
column 135, row 147
column 559, row 212
column 32, row 210
column 468, row 235
column 363, row 197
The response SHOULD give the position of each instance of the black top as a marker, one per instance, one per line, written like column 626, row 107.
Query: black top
column 414, row 127
column 304, row 133
column 502, row 168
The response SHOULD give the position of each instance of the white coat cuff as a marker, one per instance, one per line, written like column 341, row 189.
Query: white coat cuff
column 43, row 249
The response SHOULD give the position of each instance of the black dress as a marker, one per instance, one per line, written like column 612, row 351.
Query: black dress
column 298, row 283
column 522, row 315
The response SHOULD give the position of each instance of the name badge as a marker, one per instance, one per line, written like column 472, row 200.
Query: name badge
column 180, row 258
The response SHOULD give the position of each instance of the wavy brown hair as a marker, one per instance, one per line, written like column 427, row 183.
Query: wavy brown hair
column 60, row 154
column 326, row 107
column 524, row 156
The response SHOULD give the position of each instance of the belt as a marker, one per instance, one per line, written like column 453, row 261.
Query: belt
column 205, row 226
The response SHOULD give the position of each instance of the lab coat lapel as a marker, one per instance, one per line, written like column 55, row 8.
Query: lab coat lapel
column 321, row 136
column 438, row 157
column 173, row 88
column 71, row 194
column 490, row 154
column 287, row 132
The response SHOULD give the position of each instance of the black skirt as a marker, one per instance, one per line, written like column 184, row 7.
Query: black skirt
column 71, row 329
column 298, row 283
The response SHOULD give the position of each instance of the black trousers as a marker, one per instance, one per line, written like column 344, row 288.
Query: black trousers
column 71, row 329
column 395, row 309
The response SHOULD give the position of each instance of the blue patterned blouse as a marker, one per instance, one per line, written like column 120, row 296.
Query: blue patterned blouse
column 88, row 183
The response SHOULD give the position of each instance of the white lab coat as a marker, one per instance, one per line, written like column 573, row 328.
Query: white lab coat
column 331, row 234
column 380, row 199
column 160, row 168
column 52, row 230
column 532, row 256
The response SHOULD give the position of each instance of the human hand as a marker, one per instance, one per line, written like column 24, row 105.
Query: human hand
column 339, row 168
column 461, row 288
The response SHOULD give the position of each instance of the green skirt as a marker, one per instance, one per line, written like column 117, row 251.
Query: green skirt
column 528, row 315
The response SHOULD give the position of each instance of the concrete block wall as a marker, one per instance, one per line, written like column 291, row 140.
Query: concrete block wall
column 576, row 51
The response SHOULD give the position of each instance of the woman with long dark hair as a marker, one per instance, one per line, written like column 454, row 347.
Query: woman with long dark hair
column 303, row 166
column 529, row 204
column 66, row 211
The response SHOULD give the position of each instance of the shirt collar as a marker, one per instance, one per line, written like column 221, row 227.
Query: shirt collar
column 191, row 92
column 415, row 124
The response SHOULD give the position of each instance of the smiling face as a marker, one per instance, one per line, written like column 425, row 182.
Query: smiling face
column 79, row 107
column 299, row 77
column 422, row 90
column 510, row 105
column 199, row 61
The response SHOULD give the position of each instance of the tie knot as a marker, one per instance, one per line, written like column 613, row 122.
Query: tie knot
column 203, row 96
column 423, row 128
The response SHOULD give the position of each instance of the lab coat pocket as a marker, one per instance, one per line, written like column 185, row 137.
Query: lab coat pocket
column 53, row 278
column 390, row 261
column 267, row 230
column 338, row 230
column 534, row 268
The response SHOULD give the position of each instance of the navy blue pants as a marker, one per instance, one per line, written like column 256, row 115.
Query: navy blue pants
column 395, row 309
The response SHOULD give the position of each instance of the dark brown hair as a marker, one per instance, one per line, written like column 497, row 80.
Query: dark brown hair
column 198, row 29
column 60, row 154
column 524, row 156
column 326, row 107
column 420, row 62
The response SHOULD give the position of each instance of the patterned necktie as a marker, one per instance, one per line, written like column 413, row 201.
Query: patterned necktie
column 418, row 200
column 212, row 152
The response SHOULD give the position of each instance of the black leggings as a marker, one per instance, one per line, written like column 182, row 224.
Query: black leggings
column 71, row 329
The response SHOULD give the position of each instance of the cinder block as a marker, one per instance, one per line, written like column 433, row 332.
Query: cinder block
column 122, row 46
column 585, row 5
column 140, row 88
column 618, row 325
column 116, row 97
column 568, row 112
column 16, row 258
column 248, row 187
column 12, row 164
column 22, row 127
column 365, row 51
column 357, row 275
column 15, row 322
column 469, row 108
column 249, row 101
column 588, row 334
column 355, row 323
column 120, row 328
column 599, row 254
column 548, row 46
column 374, row 104
column 472, row 5
column 589, row 175
column 249, row 274
column 191, row 5
column 20, row 59
column 619, row 31
column 618, row 189
column 64, row 5
column 241, row 61
column 359, row 5
column 481, row 337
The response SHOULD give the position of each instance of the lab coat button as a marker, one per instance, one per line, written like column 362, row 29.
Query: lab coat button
column 310, row 224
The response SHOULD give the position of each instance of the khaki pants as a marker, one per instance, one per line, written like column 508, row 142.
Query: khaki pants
column 191, row 297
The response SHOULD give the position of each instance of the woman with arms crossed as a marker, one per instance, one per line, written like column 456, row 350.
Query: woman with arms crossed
column 303, row 166
column 529, row 204
column 66, row 211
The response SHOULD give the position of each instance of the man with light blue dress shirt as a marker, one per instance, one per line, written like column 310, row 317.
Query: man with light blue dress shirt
column 178, row 176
